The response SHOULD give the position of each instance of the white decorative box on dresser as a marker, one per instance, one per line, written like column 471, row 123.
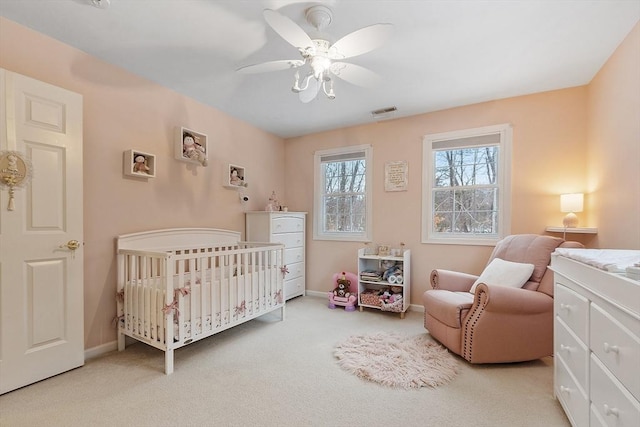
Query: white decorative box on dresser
column 596, row 340
column 287, row 228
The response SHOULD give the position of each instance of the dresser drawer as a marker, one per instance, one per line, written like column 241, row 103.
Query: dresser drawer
column 294, row 270
column 610, row 400
column 574, row 401
column 290, row 240
column 573, row 309
column 617, row 347
column 293, row 255
column 287, row 225
column 573, row 353
column 293, row 288
column 596, row 420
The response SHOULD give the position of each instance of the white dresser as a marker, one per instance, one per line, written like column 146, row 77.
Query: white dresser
column 287, row 228
column 596, row 344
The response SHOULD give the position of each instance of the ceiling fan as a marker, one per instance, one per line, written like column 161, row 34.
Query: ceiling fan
column 322, row 59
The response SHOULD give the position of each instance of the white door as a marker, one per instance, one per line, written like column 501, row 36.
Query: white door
column 41, row 279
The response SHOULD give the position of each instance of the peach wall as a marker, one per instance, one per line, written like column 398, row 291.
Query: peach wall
column 555, row 151
column 614, row 147
column 548, row 159
column 123, row 111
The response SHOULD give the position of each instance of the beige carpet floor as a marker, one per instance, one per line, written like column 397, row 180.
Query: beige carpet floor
column 272, row 373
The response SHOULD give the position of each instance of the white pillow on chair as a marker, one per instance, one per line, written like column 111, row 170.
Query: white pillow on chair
column 504, row 273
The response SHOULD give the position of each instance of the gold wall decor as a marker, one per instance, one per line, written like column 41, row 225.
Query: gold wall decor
column 15, row 172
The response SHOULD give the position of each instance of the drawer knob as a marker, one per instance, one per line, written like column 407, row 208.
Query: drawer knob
column 564, row 389
column 608, row 348
column 565, row 347
column 610, row 411
column 565, row 307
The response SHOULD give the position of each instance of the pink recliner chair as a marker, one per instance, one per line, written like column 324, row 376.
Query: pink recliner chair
column 497, row 324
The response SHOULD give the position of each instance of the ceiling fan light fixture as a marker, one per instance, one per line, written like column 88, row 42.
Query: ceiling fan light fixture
column 330, row 93
column 319, row 64
column 296, row 83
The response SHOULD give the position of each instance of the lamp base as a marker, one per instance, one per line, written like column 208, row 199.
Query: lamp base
column 570, row 221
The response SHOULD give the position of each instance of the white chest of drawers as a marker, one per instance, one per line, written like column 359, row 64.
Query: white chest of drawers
column 287, row 228
column 596, row 345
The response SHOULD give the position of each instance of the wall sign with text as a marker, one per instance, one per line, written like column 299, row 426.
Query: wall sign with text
column 395, row 176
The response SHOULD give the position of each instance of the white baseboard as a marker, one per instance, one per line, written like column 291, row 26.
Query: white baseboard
column 416, row 307
column 316, row 294
column 100, row 350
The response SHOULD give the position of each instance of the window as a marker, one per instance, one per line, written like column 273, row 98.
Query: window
column 342, row 200
column 466, row 178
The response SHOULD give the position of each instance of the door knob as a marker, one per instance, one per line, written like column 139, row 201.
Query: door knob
column 71, row 244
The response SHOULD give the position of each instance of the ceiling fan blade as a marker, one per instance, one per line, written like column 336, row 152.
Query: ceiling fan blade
column 310, row 93
column 355, row 74
column 361, row 41
column 288, row 30
column 283, row 64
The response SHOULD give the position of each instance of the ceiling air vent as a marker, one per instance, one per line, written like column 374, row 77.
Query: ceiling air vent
column 384, row 113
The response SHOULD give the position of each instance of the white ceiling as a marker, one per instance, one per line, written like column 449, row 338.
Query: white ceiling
column 444, row 53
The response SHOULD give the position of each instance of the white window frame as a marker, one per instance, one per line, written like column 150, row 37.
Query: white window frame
column 504, row 185
column 318, row 208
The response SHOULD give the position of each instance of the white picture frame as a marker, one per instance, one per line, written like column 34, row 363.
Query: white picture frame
column 191, row 146
column 131, row 166
column 235, row 177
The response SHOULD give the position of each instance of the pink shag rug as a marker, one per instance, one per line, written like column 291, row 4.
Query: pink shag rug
column 397, row 360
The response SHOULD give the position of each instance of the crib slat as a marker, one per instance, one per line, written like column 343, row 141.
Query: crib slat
column 160, row 316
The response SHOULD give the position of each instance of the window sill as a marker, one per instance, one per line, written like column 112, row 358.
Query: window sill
column 462, row 241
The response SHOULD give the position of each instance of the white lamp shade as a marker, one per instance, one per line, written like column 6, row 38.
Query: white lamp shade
column 571, row 202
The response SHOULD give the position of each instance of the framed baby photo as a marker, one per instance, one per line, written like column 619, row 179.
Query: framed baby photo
column 191, row 146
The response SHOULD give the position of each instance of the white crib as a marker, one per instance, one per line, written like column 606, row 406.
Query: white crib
column 177, row 286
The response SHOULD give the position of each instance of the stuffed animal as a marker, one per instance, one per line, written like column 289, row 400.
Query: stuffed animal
column 342, row 290
column 395, row 270
column 198, row 154
column 385, row 295
column 343, row 295
column 387, row 264
column 389, row 297
column 192, row 150
column 395, row 298
column 140, row 166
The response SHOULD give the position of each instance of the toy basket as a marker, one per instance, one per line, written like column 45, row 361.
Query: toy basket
column 395, row 306
column 370, row 297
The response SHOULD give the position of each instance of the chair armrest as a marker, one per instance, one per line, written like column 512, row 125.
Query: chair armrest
column 452, row 280
column 502, row 299
column 507, row 325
